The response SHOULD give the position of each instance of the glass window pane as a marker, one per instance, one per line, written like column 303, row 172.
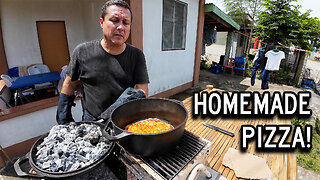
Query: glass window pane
column 174, row 24
column 178, row 36
column 168, row 7
column 180, row 25
column 167, row 35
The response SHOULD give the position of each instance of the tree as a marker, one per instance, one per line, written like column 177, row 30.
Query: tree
column 283, row 23
column 244, row 12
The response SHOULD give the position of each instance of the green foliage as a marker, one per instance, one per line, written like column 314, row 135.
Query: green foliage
column 248, row 69
column 317, row 125
column 205, row 63
column 311, row 160
column 282, row 22
column 283, row 75
column 243, row 10
column 300, row 122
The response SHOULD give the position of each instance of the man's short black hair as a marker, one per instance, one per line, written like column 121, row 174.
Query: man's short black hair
column 114, row 2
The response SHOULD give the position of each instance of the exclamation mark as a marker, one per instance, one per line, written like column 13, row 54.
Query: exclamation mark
column 309, row 135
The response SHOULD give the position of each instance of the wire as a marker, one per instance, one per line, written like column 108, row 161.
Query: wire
column 281, row 45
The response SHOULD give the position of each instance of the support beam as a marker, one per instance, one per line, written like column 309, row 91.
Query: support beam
column 3, row 58
column 228, row 46
column 234, row 45
column 137, row 24
column 197, row 57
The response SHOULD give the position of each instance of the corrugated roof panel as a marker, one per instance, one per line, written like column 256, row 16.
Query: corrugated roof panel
column 211, row 8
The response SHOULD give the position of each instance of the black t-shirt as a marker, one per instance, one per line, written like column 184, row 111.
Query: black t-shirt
column 104, row 76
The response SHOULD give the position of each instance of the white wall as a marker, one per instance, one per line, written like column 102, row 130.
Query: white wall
column 168, row 69
column 31, row 125
column 18, row 19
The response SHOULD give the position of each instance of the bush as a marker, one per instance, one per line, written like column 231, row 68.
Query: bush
column 205, row 63
column 283, row 75
column 311, row 159
column 300, row 122
column 317, row 125
column 248, row 69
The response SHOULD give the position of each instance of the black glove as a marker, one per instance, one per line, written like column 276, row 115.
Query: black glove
column 128, row 95
column 64, row 108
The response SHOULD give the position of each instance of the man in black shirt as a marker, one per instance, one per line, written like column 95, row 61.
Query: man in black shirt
column 104, row 68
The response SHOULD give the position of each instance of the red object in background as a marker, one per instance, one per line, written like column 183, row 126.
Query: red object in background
column 256, row 44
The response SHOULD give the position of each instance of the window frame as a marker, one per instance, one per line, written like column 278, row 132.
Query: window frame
column 184, row 36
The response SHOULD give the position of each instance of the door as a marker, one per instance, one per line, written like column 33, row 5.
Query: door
column 53, row 44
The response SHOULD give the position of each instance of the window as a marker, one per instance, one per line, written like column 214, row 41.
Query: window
column 174, row 22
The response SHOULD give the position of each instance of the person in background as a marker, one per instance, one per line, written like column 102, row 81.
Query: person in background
column 258, row 59
column 108, row 71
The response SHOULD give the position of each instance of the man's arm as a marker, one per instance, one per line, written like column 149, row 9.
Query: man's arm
column 142, row 87
column 69, row 87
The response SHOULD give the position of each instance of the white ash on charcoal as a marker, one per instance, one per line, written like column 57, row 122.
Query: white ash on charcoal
column 71, row 147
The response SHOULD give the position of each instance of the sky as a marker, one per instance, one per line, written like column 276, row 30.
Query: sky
column 314, row 5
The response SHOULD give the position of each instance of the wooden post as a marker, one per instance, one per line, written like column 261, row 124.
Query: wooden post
column 137, row 24
column 228, row 46
column 197, row 56
column 299, row 72
column 234, row 45
column 3, row 59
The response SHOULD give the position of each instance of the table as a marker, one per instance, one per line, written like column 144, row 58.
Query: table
column 283, row 165
column 30, row 80
column 26, row 81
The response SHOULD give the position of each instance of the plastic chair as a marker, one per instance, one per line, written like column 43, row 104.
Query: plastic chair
column 7, row 80
column 242, row 62
column 38, row 69
column 229, row 64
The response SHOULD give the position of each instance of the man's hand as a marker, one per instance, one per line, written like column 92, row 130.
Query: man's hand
column 65, row 103
column 143, row 88
column 128, row 95
column 66, row 99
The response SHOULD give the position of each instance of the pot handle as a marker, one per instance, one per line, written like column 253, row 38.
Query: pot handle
column 20, row 172
column 118, row 137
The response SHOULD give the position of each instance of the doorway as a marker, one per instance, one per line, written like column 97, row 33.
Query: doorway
column 53, row 44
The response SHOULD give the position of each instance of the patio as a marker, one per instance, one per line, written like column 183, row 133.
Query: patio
column 282, row 165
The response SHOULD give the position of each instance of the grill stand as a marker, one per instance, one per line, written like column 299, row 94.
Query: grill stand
column 141, row 170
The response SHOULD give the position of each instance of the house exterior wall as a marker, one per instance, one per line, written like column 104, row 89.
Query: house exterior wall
column 31, row 125
column 168, row 69
column 19, row 29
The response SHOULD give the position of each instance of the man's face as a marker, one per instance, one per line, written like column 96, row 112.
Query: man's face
column 116, row 25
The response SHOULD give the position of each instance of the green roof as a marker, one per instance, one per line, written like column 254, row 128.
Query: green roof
column 214, row 9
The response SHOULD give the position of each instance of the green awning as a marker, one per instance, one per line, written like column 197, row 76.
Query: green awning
column 215, row 16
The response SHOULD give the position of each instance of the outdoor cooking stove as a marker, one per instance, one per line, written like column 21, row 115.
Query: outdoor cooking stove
column 191, row 151
column 178, row 164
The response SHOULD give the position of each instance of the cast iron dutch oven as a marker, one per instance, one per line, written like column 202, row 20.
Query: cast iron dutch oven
column 41, row 173
column 171, row 111
column 168, row 110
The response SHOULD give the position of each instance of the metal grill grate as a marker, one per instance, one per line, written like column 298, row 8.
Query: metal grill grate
column 169, row 165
